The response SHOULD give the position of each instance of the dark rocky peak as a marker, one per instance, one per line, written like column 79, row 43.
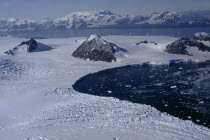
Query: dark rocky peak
column 32, row 45
column 29, row 47
column 180, row 46
column 97, row 49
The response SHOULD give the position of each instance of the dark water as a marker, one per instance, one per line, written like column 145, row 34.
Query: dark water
column 182, row 90
column 175, row 32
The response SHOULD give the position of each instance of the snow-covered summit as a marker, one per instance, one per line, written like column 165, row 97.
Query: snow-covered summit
column 164, row 18
column 86, row 15
column 202, row 36
column 88, row 19
column 92, row 37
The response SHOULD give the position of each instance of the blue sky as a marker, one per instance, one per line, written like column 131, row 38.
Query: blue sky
column 58, row 8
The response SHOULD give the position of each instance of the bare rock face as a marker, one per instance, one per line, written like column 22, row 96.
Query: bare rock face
column 97, row 49
column 32, row 45
column 180, row 46
column 201, row 37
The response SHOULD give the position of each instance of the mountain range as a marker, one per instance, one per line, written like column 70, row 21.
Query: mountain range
column 102, row 19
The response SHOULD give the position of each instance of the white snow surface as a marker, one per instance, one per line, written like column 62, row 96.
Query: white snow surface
column 37, row 101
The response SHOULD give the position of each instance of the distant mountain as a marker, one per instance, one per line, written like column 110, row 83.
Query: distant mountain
column 83, row 19
column 164, row 18
column 105, row 18
column 17, row 24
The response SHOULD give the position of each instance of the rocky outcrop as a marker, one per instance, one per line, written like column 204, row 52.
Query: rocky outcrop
column 181, row 45
column 31, row 45
column 28, row 47
column 146, row 42
column 97, row 49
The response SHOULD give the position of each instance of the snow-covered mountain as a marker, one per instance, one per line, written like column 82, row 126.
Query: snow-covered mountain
column 83, row 19
column 164, row 18
column 101, row 19
column 17, row 24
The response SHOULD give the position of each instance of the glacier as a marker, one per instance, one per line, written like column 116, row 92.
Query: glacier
column 37, row 101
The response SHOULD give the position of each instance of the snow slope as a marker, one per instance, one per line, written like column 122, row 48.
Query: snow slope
column 37, row 101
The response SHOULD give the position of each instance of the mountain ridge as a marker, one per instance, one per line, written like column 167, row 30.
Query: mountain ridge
column 102, row 18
